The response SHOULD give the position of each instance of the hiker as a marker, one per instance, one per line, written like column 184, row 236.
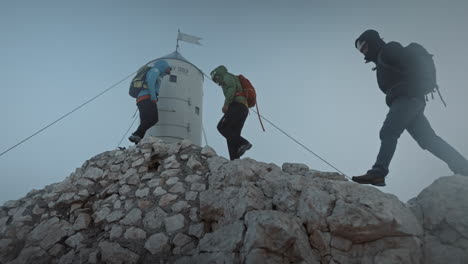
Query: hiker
column 235, row 111
column 147, row 96
column 400, row 80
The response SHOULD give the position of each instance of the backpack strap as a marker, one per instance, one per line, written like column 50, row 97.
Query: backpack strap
column 381, row 62
column 241, row 92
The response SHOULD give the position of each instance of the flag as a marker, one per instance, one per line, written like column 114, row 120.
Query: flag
column 188, row 38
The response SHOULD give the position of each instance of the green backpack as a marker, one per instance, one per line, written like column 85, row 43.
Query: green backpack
column 139, row 81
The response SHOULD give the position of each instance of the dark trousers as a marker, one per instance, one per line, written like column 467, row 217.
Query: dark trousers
column 408, row 113
column 230, row 126
column 148, row 116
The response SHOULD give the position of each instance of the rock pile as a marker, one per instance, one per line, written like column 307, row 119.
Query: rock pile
column 179, row 203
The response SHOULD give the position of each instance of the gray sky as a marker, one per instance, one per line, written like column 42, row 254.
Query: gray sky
column 311, row 82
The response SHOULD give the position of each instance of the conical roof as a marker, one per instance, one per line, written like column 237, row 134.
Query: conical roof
column 177, row 56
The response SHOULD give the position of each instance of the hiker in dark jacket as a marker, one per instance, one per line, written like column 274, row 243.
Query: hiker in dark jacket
column 147, row 98
column 235, row 111
column 397, row 80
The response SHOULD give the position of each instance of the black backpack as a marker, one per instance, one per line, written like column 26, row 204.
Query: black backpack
column 139, row 81
column 422, row 70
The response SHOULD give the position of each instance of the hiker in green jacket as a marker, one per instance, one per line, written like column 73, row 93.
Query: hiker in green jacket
column 235, row 111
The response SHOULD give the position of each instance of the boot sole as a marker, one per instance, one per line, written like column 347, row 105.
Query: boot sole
column 380, row 184
column 134, row 141
column 245, row 150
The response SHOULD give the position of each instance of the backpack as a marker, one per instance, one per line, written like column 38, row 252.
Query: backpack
column 422, row 67
column 248, row 91
column 422, row 70
column 139, row 81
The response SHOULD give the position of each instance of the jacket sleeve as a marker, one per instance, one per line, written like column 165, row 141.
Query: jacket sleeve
column 393, row 54
column 229, row 89
column 151, row 79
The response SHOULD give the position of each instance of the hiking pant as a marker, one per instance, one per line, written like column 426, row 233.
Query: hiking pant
column 148, row 116
column 230, row 126
column 408, row 113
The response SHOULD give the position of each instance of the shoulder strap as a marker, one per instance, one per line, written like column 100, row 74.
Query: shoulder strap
column 241, row 91
column 239, row 77
column 382, row 63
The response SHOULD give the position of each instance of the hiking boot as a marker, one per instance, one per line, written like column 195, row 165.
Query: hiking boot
column 370, row 178
column 243, row 149
column 134, row 138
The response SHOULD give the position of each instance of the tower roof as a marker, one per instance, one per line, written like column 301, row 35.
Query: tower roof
column 177, row 56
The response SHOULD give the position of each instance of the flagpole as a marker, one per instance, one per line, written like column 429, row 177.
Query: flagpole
column 177, row 45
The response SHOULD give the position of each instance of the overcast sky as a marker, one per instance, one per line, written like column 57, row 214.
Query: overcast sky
column 300, row 55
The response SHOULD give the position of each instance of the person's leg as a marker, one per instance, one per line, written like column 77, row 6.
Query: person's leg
column 153, row 117
column 239, row 144
column 242, row 144
column 225, row 127
column 229, row 127
column 136, row 136
column 221, row 126
column 401, row 113
column 420, row 129
column 148, row 116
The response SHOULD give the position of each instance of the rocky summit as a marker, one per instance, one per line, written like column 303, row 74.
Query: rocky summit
column 179, row 203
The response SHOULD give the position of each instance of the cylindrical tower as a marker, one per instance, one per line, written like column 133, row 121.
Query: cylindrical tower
column 180, row 104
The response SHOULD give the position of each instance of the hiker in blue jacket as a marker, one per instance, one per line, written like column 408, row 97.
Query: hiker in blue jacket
column 147, row 99
column 402, row 86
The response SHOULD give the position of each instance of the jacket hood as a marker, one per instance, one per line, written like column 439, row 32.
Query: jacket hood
column 374, row 41
column 161, row 65
column 219, row 71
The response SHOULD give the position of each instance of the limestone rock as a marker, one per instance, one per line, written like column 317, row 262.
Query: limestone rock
column 114, row 253
column 167, row 199
column 185, row 143
column 142, row 193
column 132, row 218
column 49, row 232
column 75, row 240
column 154, row 219
column 178, row 203
column 135, row 234
column 208, row 151
column 442, row 208
column 226, row 239
column 280, row 233
column 177, row 188
column 295, row 168
column 93, row 173
column 174, row 223
column 82, row 222
column 32, row 255
column 115, row 232
column 193, row 163
column 157, row 243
